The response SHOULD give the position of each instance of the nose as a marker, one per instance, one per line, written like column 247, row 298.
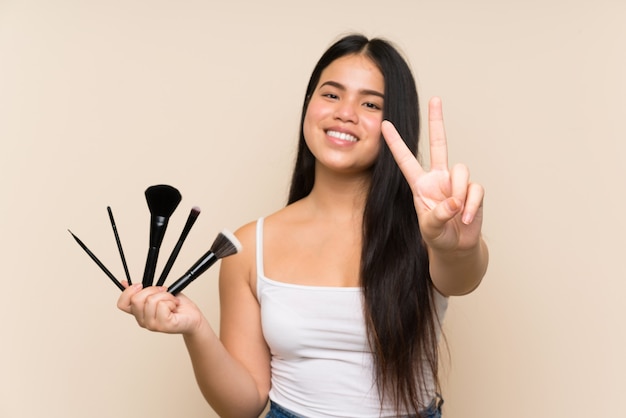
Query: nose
column 346, row 112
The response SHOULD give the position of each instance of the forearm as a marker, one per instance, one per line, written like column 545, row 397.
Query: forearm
column 456, row 273
column 226, row 385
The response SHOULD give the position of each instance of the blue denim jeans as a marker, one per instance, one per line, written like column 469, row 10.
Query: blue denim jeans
column 433, row 411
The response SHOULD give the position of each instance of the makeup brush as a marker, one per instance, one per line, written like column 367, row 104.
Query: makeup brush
column 162, row 201
column 224, row 245
column 119, row 245
column 191, row 219
column 98, row 262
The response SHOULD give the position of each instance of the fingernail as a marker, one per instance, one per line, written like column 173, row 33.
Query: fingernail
column 453, row 205
column 467, row 219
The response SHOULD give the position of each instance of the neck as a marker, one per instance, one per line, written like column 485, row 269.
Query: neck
column 339, row 196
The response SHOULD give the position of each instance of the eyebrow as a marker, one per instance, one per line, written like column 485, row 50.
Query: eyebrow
column 340, row 86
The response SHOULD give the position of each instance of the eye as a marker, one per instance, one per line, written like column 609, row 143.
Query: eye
column 330, row 96
column 373, row 106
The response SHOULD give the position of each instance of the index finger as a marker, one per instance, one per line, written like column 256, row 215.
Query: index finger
column 123, row 302
column 410, row 167
column 437, row 135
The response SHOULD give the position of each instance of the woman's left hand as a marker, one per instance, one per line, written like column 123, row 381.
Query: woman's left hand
column 449, row 206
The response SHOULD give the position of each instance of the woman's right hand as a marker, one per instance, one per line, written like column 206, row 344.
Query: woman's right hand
column 155, row 309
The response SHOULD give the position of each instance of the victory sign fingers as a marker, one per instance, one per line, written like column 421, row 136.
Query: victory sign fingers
column 444, row 198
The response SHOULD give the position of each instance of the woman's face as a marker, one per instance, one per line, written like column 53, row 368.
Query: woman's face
column 343, row 118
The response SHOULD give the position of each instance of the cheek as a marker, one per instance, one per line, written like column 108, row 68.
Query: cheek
column 314, row 113
column 307, row 125
column 376, row 149
column 372, row 125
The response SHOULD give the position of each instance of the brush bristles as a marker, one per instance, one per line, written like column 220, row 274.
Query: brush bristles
column 195, row 212
column 225, row 244
column 162, row 199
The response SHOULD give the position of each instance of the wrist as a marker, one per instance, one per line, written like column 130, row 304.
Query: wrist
column 477, row 249
column 198, row 331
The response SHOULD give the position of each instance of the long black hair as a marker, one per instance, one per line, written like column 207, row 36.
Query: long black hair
column 398, row 295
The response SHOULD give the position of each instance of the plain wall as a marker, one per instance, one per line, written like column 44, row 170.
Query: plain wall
column 101, row 99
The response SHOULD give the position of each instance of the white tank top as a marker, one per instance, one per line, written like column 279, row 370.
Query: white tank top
column 321, row 364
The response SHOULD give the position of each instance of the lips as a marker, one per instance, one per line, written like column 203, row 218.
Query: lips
column 342, row 136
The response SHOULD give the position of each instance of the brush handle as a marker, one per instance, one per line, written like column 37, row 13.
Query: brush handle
column 193, row 273
column 158, row 225
column 150, row 269
column 170, row 263
column 98, row 262
column 191, row 219
column 119, row 245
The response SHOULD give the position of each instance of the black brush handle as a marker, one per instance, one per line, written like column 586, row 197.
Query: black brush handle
column 119, row 246
column 170, row 263
column 191, row 219
column 150, row 269
column 98, row 262
column 158, row 225
column 193, row 273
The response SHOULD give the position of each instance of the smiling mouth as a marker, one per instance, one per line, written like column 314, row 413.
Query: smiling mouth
column 342, row 136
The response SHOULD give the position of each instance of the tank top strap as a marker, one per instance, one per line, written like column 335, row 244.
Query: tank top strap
column 260, row 271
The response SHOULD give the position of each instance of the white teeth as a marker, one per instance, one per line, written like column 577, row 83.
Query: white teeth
column 342, row 136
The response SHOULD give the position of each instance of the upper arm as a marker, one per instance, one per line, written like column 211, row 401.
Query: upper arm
column 240, row 317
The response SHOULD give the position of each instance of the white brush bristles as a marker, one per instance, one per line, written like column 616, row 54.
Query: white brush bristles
column 225, row 244
column 232, row 238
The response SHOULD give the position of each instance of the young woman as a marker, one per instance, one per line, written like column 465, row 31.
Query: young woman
column 333, row 308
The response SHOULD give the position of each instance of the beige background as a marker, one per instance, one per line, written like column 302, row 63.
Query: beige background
column 100, row 99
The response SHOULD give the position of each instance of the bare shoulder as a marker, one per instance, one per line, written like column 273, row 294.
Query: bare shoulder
column 246, row 235
column 239, row 268
column 243, row 264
